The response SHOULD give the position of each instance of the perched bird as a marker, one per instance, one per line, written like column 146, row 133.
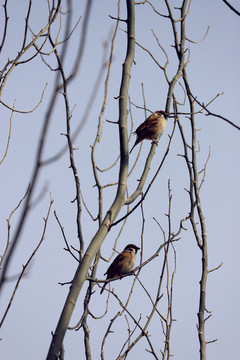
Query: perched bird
column 122, row 264
column 151, row 128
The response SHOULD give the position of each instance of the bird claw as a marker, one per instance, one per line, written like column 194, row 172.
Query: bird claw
column 155, row 142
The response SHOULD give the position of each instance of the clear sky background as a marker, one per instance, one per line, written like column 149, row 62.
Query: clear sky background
column 213, row 69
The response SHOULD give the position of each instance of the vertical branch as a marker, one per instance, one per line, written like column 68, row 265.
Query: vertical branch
column 40, row 149
column 68, row 135
column 93, row 248
column 195, row 202
column 26, row 24
column 203, row 247
column 9, row 228
column 179, row 48
column 193, row 176
column 200, row 238
column 168, row 319
column 203, row 281
column 9, row 135
column 71, row 156
column 24, row 267
column 181, row 56
column 100, row 191
column 5, row 25
column 13, row 63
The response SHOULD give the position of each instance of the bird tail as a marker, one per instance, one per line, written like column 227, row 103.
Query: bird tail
column 132, row 148
column 103, row 287
column 136, row 142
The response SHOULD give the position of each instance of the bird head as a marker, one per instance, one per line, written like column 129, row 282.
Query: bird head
column 132, row 247
column 161, row 112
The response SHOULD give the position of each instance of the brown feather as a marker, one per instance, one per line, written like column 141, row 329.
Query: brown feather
column 151, row 128
column 122, row 264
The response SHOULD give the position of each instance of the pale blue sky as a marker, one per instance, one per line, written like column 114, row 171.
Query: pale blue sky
column 213, row 68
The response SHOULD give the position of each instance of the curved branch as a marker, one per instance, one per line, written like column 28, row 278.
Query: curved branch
column 9, row 135
column 231, row 7
column 14, row 62
column 36, row 170
column 26, row 111
column 5, row 25
column 181, row 56
column 82, row 270
column 199, row 41
column 141, row 184
column 24, row 267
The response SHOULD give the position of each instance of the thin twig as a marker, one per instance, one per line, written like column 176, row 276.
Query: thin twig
column 27, row 263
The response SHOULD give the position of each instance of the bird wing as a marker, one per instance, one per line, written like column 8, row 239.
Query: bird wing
column 141, row 128
column 151, row 120
column 113, row 269
column 115, row 262
column 148, row 123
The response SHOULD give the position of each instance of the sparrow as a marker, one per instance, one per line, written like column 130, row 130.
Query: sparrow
column 122, row 264
column 151, row 128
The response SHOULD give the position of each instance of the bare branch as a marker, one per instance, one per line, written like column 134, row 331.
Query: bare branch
column 6, row 18
column 64, row 236
column 28, row 262
column 95, row 244
column 216, row 268
column 25, row 111
column 231, row 7
column 197, row 42
column 9, row 226
column 9, row 136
